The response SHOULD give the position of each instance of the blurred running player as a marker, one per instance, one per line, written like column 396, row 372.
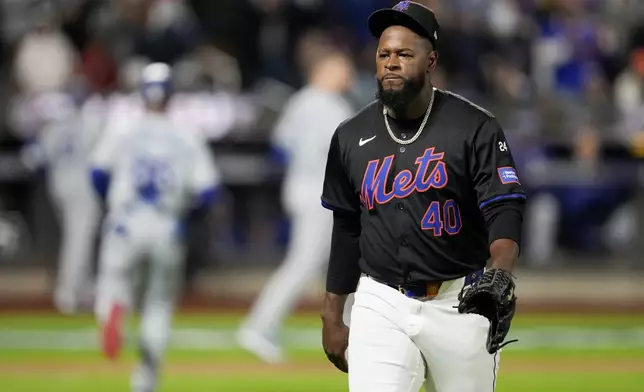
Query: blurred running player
column 153, row 173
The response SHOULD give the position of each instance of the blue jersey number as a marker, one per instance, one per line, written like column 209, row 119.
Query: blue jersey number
column 446, row 219
column 152, row 177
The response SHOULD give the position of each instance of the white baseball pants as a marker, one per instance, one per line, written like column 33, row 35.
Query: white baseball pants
column 399, row 344
column 307, row 254
column 79, row 219
column 129, row 241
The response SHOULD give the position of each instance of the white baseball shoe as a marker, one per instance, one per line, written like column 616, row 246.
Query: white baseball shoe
column 143, row 379
column 65, row 302
column 261, row 346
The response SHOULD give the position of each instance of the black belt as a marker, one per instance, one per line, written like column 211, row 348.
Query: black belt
column 417, row 290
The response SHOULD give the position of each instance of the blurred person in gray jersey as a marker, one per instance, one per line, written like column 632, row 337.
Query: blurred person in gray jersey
column 302, row 138
column 62, row 150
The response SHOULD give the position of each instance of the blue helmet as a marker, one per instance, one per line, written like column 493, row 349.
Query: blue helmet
column 156, row 83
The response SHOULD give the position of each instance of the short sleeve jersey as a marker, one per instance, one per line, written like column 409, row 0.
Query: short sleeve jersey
column 421, row 204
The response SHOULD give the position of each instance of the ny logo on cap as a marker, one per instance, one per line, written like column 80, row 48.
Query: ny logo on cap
column 402, row 6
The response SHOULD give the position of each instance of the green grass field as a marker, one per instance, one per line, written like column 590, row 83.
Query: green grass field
column 41, row 353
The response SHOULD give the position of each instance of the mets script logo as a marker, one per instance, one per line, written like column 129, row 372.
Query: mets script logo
column 402, row 6
column 374, row 183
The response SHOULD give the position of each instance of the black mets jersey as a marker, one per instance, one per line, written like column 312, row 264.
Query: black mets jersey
column 421, row 203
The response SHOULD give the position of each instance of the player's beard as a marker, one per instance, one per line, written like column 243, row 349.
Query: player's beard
column 399, row 100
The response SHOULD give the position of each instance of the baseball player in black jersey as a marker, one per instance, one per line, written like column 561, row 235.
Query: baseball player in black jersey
column 428, row 209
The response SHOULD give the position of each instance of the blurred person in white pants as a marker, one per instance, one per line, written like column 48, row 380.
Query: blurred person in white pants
column 153, row 173
column 62, row 150
column 303, row 135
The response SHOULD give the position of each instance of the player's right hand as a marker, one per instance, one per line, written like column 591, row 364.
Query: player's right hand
column 335, row 340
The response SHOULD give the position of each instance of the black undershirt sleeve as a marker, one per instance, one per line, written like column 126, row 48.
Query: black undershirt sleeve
column 504, row 219
column 344, row 271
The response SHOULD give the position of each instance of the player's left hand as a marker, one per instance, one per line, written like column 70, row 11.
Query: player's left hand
column 492, row 297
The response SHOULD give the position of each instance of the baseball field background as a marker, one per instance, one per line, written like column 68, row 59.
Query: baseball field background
column 41, row 351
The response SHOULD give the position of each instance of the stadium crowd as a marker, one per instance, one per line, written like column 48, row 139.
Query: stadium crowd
column 565, row 78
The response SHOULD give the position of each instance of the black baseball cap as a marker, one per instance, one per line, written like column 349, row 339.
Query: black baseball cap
column 412, row 15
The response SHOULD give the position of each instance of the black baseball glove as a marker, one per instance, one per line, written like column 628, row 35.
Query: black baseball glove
column 493, row 297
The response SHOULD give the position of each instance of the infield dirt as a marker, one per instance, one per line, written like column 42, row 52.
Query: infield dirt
column 515, row 365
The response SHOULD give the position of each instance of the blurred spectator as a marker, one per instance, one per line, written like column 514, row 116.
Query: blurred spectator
column 75, row 18
column 168, row 32
column 353, row 14
column 99, row 67
column 629, row 86
column 218, row 69
column 233, row 27
column 45, row 44
column 586, row 200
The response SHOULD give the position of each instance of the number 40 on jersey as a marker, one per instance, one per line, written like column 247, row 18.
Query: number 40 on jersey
column 442, row 218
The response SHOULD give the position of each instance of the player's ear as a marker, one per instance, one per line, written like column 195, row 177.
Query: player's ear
column 432, row 61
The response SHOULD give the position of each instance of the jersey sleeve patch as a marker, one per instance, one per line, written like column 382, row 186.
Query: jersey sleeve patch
column 508, row 175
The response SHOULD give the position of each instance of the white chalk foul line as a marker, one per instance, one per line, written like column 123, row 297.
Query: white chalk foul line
column 309, row 338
